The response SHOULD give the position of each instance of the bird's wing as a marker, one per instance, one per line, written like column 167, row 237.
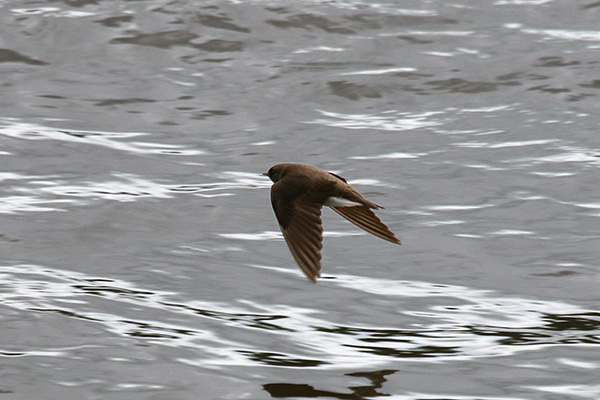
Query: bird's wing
column 304, row 237
column 339, row 177
column 300, row 221
column 366, row 219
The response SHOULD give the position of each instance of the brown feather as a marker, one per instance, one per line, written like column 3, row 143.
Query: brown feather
column 304, row 237
column 366, row 219
column 298, row 194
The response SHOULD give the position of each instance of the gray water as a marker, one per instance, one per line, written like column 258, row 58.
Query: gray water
column 140, row 257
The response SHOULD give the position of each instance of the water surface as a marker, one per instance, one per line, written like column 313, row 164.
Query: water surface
column 139, row 256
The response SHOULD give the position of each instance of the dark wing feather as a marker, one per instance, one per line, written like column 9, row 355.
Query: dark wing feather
column 299, row 218
column 339, row 177
column 366, row 219
column 304, row 237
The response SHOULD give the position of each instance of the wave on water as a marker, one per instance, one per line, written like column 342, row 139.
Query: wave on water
column 450, row 323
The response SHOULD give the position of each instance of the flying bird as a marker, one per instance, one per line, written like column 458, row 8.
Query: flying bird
column 297, row 196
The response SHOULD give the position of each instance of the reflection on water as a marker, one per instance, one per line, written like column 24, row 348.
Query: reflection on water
column 377, row 378
column 465, row 324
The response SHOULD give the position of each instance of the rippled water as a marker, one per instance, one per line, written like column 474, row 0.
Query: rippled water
column 139, row 256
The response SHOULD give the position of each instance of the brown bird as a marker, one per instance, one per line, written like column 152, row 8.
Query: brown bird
column 298, row 194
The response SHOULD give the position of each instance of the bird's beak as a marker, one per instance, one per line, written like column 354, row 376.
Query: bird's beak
column 265, row 173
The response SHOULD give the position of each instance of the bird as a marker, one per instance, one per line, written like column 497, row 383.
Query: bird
column 298, row 194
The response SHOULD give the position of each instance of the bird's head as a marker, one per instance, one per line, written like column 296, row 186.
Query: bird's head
column 274, row 173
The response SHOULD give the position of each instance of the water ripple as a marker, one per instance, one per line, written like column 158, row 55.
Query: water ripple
column 378, row 71
column 389, row 156
column 561, row 34
column 450, row 322
column 45, row 193
column 19, row 204
column 12, row 127
column 51, row 12
column 562, row 155
column 272, row 235
column 385, row 121
column 457, row 207
column 570, row 391
column 39, row 193
column 522, row 2
column 500, row 145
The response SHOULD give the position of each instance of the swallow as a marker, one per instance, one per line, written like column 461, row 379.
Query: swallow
column 298, row 194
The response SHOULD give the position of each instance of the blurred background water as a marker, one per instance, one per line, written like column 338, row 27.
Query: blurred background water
column 140, row 257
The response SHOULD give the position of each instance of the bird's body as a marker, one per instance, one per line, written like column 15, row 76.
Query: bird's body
column 298, row 194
